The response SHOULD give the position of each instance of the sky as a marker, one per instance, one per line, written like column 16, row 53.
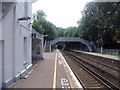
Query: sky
column 62, row 13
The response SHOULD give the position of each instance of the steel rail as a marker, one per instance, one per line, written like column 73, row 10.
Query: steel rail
column 112, row 85
column 118, row 71
column 82, row 83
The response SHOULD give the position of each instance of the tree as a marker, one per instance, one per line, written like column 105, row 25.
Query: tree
column 70, row 32
column 100, row 20
column 60, row 32
column 38, row 27
column 43, row 26
column 40, row 14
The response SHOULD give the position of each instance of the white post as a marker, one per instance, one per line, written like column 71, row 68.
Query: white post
column 44, row 45
column 41, row 48
column 0, row 20
column 101, row 50
column 50, row 48
column 1, row 64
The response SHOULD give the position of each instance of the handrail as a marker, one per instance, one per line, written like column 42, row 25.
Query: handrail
column 72, row 39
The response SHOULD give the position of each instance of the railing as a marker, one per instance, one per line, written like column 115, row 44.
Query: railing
column 72, row 39
column 112, row 52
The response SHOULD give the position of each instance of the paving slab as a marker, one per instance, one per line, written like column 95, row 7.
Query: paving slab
column 62, row 80
column 52, row 72
column 42, row 75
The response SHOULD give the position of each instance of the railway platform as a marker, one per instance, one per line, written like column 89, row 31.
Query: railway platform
column 52, row 72
column 101, row 55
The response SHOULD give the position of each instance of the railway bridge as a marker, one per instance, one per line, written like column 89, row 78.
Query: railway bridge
column 72, row 39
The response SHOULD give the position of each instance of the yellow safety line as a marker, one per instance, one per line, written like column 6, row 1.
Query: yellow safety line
column 55, row 68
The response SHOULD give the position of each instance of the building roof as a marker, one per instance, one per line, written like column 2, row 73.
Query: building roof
column 37, row 33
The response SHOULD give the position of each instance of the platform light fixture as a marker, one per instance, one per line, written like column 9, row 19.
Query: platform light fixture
column 33, row 35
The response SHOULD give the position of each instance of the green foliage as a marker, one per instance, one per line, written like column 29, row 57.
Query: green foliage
column 100, row 20
column 117, row 35
column 38, row 27
column 60, row 32
column 40, row 14
column 43, row 26
column 70, row 32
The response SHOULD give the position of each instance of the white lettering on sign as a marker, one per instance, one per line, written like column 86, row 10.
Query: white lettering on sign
column 65, row 83
column 60, row 63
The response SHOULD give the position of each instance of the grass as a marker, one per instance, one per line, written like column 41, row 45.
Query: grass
column 111, row 53
column 114, row 54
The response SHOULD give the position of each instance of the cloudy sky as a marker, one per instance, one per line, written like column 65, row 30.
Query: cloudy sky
column 62, row 13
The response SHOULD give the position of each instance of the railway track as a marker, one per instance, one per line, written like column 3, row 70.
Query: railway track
column 115, row 71
column 108, row 62
column 91, row 75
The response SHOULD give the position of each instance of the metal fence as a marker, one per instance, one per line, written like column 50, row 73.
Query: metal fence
column 112, row 51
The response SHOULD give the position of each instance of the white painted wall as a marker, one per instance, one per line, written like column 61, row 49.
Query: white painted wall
column 0, row 30
column 8, row 29
column 0, row 20
column 0, row 45
column 22, row 30
column 0, row 63
column 0, row 53
column 13, row 33
column 37, row 43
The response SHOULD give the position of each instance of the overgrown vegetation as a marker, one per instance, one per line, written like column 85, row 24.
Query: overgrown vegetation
column 100, row 20
column 45, row 27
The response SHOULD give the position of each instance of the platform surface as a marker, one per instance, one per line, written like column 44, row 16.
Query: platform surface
column 101, row 55
column 52, row 72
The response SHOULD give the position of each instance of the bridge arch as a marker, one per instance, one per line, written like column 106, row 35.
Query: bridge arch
column 72, row 39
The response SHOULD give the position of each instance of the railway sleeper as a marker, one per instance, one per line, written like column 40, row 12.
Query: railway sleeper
column 102, row 78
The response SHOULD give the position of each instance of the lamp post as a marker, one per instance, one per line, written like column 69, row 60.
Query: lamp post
column 46, row 36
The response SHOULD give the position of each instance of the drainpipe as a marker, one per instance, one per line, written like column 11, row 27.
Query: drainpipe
column 14, row 38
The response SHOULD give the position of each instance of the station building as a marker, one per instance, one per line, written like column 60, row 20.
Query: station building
column 16, row 41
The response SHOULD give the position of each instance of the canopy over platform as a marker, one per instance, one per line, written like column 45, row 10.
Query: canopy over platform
column 37, row 45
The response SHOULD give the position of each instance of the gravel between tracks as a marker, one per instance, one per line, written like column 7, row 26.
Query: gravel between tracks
column 87, row 79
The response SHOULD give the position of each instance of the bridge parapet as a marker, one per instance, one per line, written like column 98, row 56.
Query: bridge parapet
column 72, row 39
